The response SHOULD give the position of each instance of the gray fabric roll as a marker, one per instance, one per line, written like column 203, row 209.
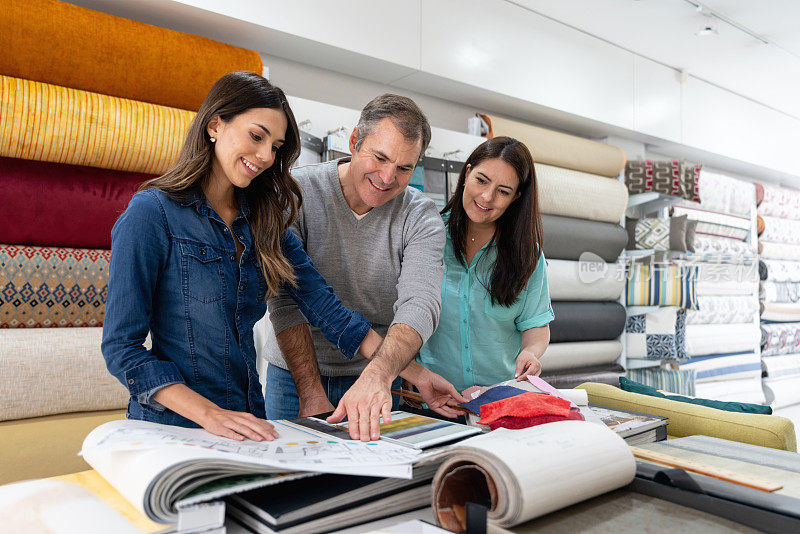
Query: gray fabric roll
column 586, row 321
column 604, row 374
column 566, row 238
column 763, row 271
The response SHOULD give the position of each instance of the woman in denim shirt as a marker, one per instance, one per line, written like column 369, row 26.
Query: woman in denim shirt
column 196, row 254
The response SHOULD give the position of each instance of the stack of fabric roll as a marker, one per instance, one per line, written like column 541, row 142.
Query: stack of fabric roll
column 89, row 109
column 716, row 350
column 779, row 270
column 582, row 202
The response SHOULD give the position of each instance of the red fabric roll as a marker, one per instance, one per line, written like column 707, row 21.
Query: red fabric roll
column 759, row 194
column 52, row 204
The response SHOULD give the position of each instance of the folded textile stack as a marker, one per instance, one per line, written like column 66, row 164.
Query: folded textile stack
column 77, row 138
column 705, row 334
column 582, row 202
column 779, row 292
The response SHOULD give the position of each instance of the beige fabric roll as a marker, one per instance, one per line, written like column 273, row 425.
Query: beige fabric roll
column 560, row 149
column 585, row 281
column 580, row 195
column 55, row 370
column 781, row 312
column 561, row 356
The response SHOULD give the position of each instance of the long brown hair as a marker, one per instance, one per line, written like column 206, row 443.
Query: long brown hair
column 518, row 231
column 273, row 196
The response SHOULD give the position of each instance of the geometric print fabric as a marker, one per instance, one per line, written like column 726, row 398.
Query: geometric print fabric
column 52, row 287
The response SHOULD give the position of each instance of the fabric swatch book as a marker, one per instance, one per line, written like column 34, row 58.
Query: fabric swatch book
column 161, row 469
column 634, row 427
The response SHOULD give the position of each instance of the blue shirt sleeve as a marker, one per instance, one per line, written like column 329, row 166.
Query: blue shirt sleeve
column 315, row 298
column 536, row 311
column 139, row 248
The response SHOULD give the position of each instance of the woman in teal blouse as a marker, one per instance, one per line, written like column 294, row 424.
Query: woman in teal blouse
column 495, row 299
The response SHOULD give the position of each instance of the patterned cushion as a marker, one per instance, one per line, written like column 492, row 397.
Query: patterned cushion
column 652, row 233
column 46, row 286
column 670, row 177
column 662, row 285
column 70, row 126
column 658, row 335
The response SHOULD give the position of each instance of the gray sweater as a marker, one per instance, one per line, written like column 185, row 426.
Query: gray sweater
column 388, row 266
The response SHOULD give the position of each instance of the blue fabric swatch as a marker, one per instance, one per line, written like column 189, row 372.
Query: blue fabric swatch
column 490, row 395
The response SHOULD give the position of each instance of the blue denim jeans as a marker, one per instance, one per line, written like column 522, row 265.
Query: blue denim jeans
column 281, row 398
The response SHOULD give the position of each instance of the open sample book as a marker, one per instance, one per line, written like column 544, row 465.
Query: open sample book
column 161, row 468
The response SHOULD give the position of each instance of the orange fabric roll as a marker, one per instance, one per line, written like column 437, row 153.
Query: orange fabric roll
column 46, row 122
column 63, row 44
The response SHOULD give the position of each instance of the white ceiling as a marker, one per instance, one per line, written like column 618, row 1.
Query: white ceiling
column 664, row 31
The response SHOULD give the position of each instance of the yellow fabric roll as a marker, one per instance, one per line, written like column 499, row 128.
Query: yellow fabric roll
column 580, row 195
column 560, row 149
column 46, row 122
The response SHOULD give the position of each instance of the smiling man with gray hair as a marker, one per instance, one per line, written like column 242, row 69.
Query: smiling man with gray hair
column 380, row 245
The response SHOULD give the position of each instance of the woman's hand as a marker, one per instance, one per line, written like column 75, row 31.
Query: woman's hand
column 226, row 423
column 527, row 364
column 236, row 425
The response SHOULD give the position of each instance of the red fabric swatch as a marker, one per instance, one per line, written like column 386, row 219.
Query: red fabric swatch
column 515, row 423
column 526, row 405
column 53, row 204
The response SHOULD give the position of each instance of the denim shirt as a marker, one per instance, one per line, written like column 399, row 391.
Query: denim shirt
column 174, row 275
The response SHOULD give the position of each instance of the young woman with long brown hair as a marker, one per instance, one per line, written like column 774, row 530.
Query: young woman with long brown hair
column 495, row 300
column 195, row 256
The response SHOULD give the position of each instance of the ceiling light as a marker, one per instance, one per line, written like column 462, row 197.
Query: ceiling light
column 708, row 29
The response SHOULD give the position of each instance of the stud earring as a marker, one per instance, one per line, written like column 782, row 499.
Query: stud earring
column 212, row 139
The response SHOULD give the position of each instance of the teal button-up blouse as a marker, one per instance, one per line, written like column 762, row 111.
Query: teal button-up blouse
column 476, row 342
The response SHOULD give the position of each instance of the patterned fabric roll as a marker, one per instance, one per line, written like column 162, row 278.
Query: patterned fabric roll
column 580, row 195
column 662, row 285
column 779, row 202
column 46, row 287
column 723, row 310
column 779, row 230
column 720, row 247
column 64, row 44
column 52, row 204
column 725, row 194
column 779, row 271
column 680, row 381
column 50, row 123
column 715, row 224
column 778, row 251
column 780, row 338
column 669, row 177
column 727, row 278
column 786, row 292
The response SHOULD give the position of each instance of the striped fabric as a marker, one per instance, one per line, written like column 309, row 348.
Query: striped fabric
column 724, row 366
column 662, row 285
column 46, row 286
column 680, row 381
column 46, row 122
